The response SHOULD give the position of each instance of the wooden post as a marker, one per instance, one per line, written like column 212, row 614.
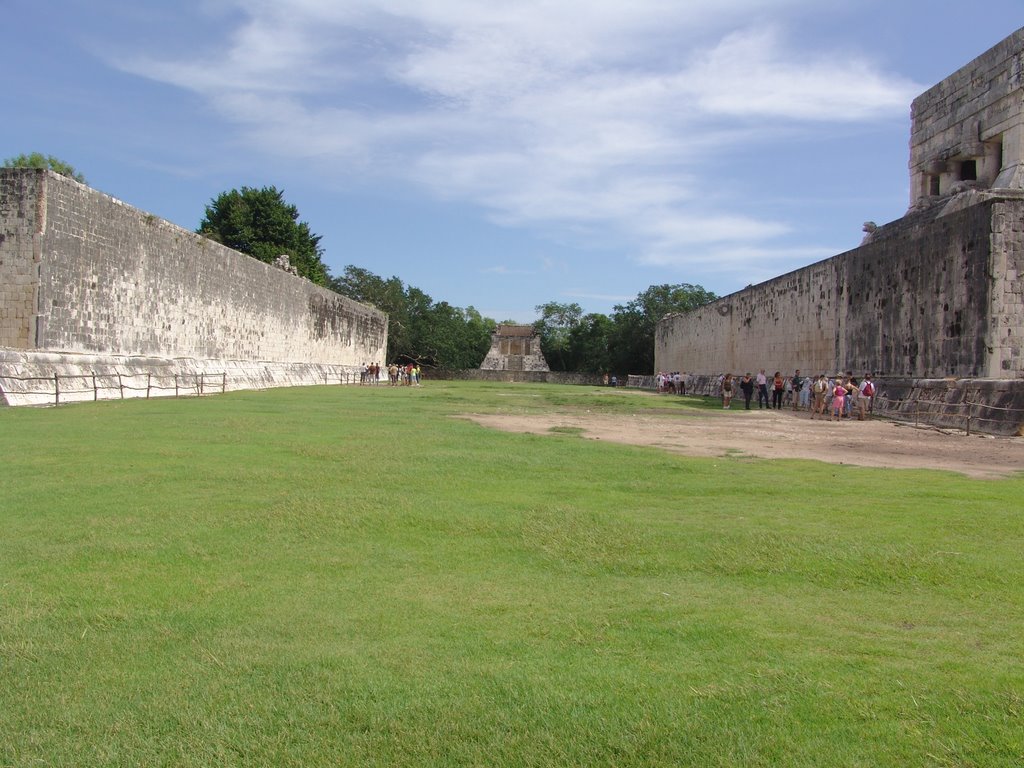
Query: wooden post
column 149, row 384
column 120, row 385
column 95, row 391
column 224, row 382
column 56, row 389
column 175, row 385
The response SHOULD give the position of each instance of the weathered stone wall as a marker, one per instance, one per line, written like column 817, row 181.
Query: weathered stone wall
column 84, row 273
column 792, row 317
column 969, row 129
column 21, row 207
column 49, row 378
column 1006, row 310
column 937, row 293
column 514, row 348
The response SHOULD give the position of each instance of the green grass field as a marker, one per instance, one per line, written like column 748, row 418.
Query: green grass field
column 351, row 577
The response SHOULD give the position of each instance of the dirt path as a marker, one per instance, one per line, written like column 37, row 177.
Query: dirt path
column 785, row 435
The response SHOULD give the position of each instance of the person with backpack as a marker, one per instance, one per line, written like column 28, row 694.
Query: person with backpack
column 805, row 394
column 867, row 391
column 747, row 388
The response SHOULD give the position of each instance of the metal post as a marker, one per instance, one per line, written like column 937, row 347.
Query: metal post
column 149, row 383
column 95, row 391
column 56, row 389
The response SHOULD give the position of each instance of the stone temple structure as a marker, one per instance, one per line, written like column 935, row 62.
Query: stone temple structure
column 935, row 295
column 514, row 348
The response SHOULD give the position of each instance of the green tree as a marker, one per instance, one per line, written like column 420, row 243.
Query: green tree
column 554, row 326
column 386, row 295
column 260, row 223
column 453, row 338
column 632, row 336
column 589, row 344
column 39, row 160
column 420, row 330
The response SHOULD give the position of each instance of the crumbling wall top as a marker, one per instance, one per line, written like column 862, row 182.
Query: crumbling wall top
column 967, row 132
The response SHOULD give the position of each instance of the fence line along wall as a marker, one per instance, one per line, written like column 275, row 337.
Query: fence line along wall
column 46, row 378
column 83, row 273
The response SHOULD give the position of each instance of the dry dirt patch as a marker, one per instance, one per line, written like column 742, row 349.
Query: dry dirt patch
column 785, row 435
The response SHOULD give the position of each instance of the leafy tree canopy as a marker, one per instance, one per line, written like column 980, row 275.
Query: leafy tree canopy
column 419, row 329
column 39, row 160
column 632, row 338
column 556, row 322
column 260, row 223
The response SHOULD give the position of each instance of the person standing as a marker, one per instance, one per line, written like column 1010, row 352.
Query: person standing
column 819, row 389
column 853, row 400
column 797, row 384
column 838, row 402
column 778, row 388
column 762, row 389
column 867, row 391
column 747, row 388
column 727, row 391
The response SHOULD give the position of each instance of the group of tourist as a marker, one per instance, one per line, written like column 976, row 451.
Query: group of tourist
column 671, row 383
column 840, row 396
column 398, row 375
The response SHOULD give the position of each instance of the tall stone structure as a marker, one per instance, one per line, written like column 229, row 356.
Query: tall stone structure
column 938, row 293
column 967, row 132
column 90, row 284
column 514, row 348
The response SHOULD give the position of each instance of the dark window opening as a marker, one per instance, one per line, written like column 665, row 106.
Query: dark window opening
column 933, row 185
column 969, row 170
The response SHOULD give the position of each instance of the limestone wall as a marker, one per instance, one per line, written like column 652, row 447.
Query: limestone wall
column 789, row 318
column 84, row 273
column 514, row 348
column 21, row 207
column 969, row 129
column 937, row 293
column 50, row 378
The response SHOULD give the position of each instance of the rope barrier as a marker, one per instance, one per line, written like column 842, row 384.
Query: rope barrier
column 63, row 386
column 61, row 391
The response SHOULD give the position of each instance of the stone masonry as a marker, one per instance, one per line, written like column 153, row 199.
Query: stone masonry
column 936, row 294
column 81, row 273
column 514, row 348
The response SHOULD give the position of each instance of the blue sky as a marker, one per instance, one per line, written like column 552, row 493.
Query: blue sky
column 503, row 155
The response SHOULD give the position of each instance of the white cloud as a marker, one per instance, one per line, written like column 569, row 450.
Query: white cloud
column 748, row 74
column 594, row 119
column 501, row 269
column 608, row 297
